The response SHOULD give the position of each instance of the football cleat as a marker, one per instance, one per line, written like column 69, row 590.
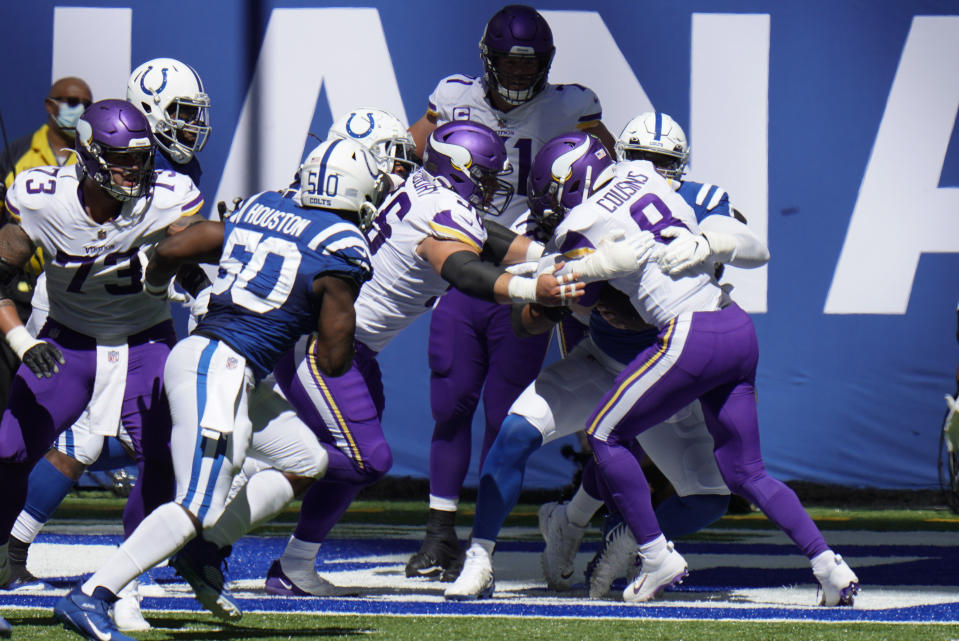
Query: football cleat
column 441, row 554
column 615, row 557
column 562, row 541
column 126, row 610
column 300, row 583
column 655, row 576
column 838, row 584
column 199, row 564
column 88, row 617
column 475, row 580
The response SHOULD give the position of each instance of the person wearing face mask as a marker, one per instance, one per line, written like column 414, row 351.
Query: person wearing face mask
column 52, row 143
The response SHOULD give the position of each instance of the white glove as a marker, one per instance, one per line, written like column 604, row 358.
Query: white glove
column 616, row 255
column 690, row 254
column 951, row 426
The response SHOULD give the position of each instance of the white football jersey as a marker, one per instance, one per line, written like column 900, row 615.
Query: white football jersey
column 557, row 109
column 639, row 199
column 95, row 271
column 404, row 285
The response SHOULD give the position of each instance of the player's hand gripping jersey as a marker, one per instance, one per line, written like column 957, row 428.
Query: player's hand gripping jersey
column 273, row 250
column 524, row 129
column 92, row 267
column 638, row 199
column 404, row 285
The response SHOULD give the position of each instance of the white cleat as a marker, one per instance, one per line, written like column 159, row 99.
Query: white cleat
column 616, row 557
column 562, row 542
column 126, row 611
column 838, row 584
column 656, row 576
column 475, row 580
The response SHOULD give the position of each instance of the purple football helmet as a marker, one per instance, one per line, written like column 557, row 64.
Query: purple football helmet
column 468, row 157
column 566, row 171
column 517, row 51
column 115, row 148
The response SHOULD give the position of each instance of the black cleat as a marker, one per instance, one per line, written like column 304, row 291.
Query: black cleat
column 441, row 554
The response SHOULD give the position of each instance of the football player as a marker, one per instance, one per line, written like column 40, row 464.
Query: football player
column 107, row 336
column 514, row 98
column 288, row 266
column 171, row 95
column 706, row 349
column 426, row 237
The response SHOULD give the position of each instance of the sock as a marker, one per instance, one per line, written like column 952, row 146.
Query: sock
column 299, row 554
column 443, row 504
column 262, row 498
column 160, row 535
column 823, row 562
column 501, row 478
column 682, row 515
column 582, row 507
column 485, row 544
column 654, row 549
column 46, row 489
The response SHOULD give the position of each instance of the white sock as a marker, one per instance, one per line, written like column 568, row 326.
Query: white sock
column 654, row 549
column 485, row 544
column 160, row 535
column 443, row 504
column 26, row 528
column 262, row 498
column 581, row 508
column 822, row 562
column 299, row 554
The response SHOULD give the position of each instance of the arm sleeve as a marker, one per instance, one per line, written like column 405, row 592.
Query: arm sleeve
column 498, row 241
column 466, row 272
column 750, row 250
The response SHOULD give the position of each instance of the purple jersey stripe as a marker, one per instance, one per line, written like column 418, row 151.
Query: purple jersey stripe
column 13, row 210
column 196, row 202
column 445, row 219
column 574, row 240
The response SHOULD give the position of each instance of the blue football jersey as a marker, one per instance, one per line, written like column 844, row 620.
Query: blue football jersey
column 191, row 168
column 263, row 299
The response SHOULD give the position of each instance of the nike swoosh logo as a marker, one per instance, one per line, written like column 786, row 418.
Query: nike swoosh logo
column 96, row 631
column 288, row 585
column 640, row 586
column 566, row 575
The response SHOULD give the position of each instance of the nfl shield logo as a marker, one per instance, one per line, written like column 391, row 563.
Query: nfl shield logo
column 102, row 234
column 113, row 356
column 231, row 363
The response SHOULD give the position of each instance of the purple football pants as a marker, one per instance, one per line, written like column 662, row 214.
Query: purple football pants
column 472, row 342
column 345, row 414
column 711, row 356
column 41, row 408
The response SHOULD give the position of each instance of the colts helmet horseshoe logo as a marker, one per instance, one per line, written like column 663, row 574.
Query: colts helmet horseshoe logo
column 364, row 134
column 158, row 90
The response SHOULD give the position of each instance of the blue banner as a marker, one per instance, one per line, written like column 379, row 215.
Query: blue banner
column 831, row 125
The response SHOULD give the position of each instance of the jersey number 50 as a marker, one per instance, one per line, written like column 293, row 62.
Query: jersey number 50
column 260, row 270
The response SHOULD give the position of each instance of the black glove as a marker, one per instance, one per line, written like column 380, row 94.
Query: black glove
column 43, row 359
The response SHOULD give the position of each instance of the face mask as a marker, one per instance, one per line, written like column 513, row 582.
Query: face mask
column 68, row 116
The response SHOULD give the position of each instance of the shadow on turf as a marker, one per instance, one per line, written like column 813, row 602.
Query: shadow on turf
column 175, row 628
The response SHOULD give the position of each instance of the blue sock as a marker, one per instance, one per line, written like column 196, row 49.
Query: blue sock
column 112, row 457
column 682, row 515
column 46, row 490
column 501, row 478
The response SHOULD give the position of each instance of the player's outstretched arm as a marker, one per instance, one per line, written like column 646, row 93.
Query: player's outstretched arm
column 421, row 130
column 198, row 243
column 336, row 324
column 722, row 239
column 461, row 266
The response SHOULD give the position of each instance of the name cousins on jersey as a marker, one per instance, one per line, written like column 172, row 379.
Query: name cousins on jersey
column 620, row 192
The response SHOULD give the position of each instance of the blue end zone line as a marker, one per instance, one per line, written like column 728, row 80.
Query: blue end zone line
column 947, row 613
